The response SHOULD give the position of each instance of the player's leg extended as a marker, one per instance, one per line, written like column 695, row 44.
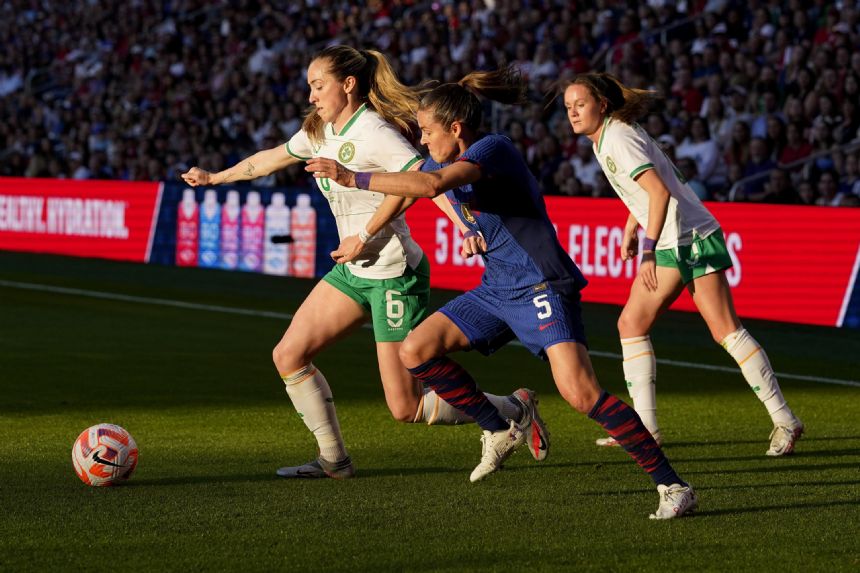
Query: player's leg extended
column 577, row 383
column 408, row 401
column 424, row 352
column 641, row 311
column 713, row 298
column 325, row 316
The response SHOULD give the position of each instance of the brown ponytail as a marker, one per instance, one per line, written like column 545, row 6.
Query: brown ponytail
column 459, row 101
column 622, row 103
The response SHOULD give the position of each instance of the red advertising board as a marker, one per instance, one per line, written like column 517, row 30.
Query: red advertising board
column 106, row 219
column 792, row 264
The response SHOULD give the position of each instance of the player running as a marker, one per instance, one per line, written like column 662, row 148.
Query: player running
column 683, row 247
column 360, row 115
column 530, row 288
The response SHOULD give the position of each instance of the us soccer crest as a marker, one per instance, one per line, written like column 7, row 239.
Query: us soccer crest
column 346, row 152
column 467, row 213
column 610, row 164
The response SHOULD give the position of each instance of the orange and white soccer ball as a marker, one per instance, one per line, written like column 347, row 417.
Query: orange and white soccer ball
column 104, row 454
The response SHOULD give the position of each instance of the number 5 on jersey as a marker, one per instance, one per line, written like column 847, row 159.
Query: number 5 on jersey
column 544, row 309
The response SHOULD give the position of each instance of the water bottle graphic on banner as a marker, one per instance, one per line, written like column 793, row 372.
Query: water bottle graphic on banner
column 186, row 230
column 303, row 225
column 210, row 230
column 230, row 221
column 253, row 221
column 276, row 257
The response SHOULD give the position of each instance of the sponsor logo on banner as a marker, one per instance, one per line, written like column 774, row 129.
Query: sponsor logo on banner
column 108, row 219
column 773, row 276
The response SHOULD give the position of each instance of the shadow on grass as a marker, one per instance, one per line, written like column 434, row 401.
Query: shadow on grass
column 682, row 444
column 775, row 507
column 362, row 473
column 796, row 455
column 773, row 468
column 699, row 489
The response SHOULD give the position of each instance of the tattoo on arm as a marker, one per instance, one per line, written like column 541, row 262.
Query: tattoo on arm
column 249, row 171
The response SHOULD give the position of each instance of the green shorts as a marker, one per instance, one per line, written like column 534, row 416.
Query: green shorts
column 396, row 305
column 702, row 257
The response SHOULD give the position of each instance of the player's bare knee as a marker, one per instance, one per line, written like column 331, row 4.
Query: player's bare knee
column 403, row 413
column 628, row 325
column 286, row 360
column 411, row 354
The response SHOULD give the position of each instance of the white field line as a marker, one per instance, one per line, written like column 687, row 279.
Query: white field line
column 286, row 317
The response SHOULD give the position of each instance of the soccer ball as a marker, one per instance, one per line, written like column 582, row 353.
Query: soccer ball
column 104, row 454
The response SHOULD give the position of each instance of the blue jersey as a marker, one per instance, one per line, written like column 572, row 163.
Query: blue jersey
column 507, row 207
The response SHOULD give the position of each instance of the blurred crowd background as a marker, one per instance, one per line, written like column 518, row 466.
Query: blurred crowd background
column 760, row 97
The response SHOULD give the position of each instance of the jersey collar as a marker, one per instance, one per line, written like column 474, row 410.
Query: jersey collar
column 351, row 121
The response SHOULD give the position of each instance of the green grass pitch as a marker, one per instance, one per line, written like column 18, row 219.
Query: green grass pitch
column 197, row 390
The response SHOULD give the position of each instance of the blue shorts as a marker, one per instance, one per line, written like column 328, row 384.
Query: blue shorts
column 539, row 318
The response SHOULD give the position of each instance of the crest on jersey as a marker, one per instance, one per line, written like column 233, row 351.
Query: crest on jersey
column 346, row 152
column 610, row 164
column 467, row 213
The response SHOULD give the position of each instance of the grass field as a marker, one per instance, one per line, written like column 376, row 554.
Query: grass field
column 196, row 388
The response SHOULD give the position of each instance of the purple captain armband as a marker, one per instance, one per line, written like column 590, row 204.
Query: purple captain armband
column 649, row 244
column 362, row 180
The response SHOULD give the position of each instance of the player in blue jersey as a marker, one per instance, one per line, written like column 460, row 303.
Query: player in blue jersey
column 362, row 114
column 530, row 288
column 683, row 248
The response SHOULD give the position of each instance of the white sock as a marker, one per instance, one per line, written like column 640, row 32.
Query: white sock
column 640, row 373
column 311, row 396
column 434, row 410
column 759, row 375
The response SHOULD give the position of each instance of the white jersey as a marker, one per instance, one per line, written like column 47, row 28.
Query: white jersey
column 366, row 143
column 624, row 152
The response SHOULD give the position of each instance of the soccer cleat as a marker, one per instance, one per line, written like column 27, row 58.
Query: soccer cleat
column 537, row 436
column 675, row 501
column 495, row 449
column 612, row 442
column 783, row 438
column 320, row 468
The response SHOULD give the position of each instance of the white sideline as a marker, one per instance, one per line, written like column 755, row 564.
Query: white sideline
column 287, row 316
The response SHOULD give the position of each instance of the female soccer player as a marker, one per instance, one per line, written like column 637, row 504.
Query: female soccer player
column 683, row 246
column 360, row 114
column 530, row 288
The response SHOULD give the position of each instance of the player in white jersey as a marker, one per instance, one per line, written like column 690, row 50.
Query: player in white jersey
column 359, row 116
column 683, row 247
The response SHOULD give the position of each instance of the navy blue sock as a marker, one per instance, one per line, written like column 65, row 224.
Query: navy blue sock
column 623, row 423
column 454, row 385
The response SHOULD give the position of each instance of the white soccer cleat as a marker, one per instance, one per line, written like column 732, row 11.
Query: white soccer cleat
column 610, row 442
column 783, row 438
column 495, row 449
column 537, row 436
column 675, row 501
column 319, row 468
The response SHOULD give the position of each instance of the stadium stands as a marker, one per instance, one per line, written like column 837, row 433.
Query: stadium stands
column 749, row 86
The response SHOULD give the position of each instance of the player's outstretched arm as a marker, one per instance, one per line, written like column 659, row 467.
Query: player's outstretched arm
column 260, row 164
column 408, row 184
column 391, row 207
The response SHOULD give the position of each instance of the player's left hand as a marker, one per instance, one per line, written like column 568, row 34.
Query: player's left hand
column 648, row 271
column 331, row 169
column 348, row 250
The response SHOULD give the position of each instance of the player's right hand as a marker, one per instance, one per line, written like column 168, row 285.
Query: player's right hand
column 474, row 245
column 196, row 176
column 629, row 246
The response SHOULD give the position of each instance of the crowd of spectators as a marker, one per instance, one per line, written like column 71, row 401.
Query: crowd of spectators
column 141, row 90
